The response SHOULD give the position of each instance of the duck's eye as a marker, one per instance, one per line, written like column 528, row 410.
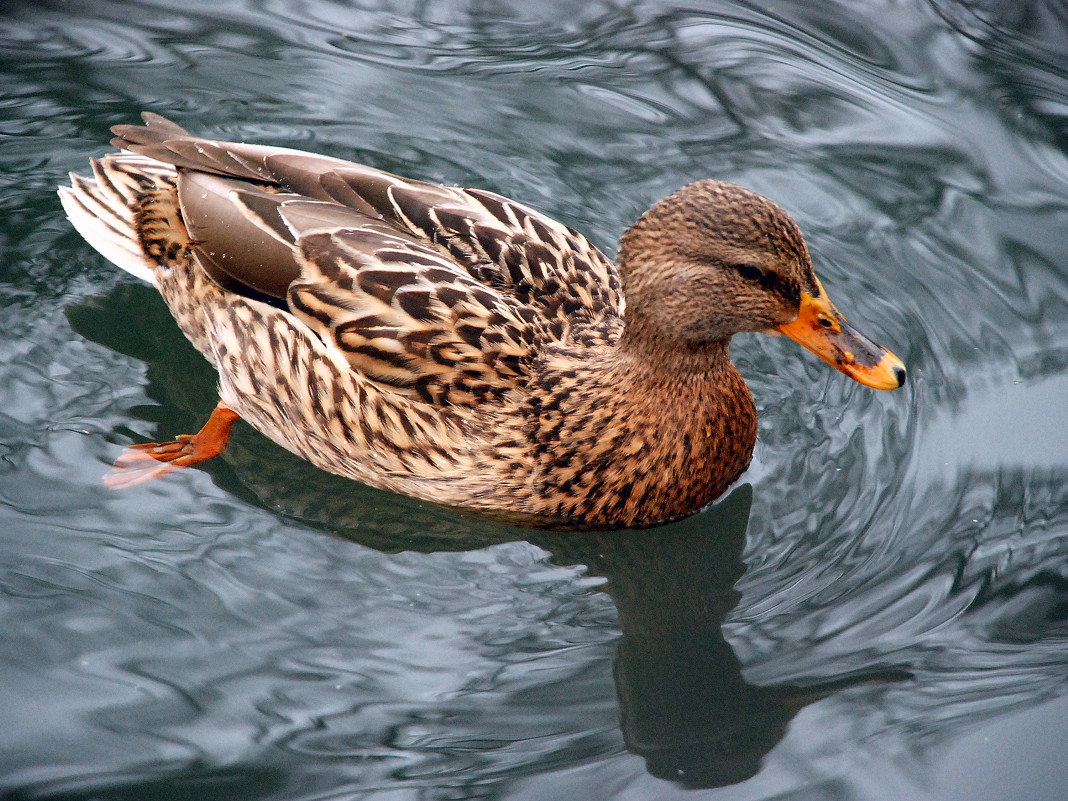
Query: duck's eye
column 750, row 272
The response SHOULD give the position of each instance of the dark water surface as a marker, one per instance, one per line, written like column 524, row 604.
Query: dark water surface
column 879, row 612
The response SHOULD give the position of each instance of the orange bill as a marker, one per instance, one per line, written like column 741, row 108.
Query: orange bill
column 822, row 329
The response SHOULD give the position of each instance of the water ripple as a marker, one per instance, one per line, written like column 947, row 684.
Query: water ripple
column 905, row 557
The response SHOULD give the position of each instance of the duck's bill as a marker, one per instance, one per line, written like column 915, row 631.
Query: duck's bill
column 821, row 328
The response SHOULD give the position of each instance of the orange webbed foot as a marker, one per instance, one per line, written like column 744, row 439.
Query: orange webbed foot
column 141, row 463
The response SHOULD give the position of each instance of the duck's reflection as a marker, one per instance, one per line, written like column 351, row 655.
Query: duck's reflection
column 685, row 705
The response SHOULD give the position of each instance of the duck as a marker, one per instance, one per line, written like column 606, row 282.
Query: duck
column 455, row 346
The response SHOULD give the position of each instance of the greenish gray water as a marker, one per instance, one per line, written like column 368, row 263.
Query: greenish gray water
column 879, row 612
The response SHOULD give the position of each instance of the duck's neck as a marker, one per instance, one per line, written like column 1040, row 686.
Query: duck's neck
column 645, row 350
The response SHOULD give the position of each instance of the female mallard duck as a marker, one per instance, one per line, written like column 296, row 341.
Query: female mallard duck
column 454, row 345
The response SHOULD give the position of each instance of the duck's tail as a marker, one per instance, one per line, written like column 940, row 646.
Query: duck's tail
column 117, row 210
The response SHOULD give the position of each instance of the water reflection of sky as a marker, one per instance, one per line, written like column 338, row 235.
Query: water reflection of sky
column 880, row 614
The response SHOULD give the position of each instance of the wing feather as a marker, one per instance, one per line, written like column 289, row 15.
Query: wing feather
column 447, row 293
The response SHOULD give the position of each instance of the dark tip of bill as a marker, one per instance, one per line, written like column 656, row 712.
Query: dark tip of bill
column 899, row 374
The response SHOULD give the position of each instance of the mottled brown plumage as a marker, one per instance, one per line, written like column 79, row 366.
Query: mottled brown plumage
column 451, row 344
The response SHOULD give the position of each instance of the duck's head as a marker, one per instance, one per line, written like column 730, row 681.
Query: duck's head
column 715, row 259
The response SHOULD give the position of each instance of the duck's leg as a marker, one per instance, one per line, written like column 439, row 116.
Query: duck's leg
column 141, row 463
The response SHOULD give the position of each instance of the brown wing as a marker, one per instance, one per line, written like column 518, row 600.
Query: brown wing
column 502, row 244
column 447, row 293
column 399, row 311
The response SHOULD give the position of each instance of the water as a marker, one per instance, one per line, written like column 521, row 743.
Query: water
column 879, row 612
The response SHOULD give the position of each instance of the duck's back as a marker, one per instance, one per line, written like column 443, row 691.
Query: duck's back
column 450, row 294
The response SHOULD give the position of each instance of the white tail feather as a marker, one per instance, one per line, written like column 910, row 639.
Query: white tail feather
column 102, row 212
